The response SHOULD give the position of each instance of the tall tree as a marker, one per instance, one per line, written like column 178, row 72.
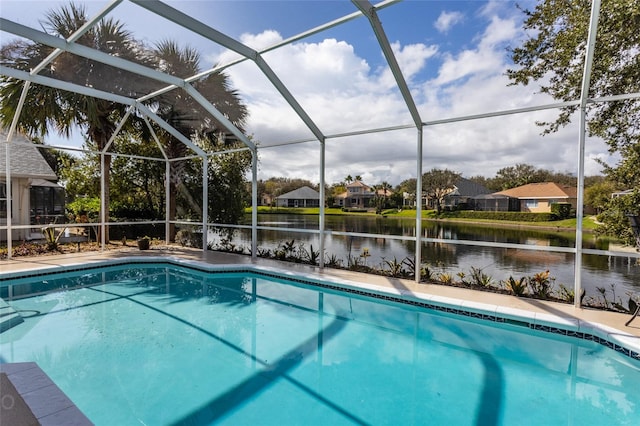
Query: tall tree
column 598, row 195
column 554, row 55
column 191, row 119
column 275, row 186
column 47, row 108
column 407, row 186
column 137, row 187
column 437, row 183
column 518, row 175
column 615, row 218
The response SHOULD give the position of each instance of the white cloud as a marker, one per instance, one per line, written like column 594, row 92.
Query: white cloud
column 411, row 60
column 466, row 63
column 446, row 20
column 341, row 93
column 488, row 57
column 499, row 31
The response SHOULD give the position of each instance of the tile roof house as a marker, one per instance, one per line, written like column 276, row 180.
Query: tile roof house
column 538, row 197
column 301, row 197
column 463, row 192
column 358, row 196
column 36, row 198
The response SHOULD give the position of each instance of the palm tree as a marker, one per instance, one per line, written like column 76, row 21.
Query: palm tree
column 190, row 118
column 386, row 187
column 47, row 108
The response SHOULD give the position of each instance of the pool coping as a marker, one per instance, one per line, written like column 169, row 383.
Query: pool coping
column 618, row 340
column 40, row 395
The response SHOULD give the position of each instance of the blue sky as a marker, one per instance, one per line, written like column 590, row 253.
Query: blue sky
column 452, row 53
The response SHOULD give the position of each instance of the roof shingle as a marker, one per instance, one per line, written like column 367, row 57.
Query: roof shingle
column 541, row 190
column 26, row 160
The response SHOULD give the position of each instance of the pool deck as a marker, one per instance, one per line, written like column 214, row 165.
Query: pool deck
column 468, row 298
column 611, row 323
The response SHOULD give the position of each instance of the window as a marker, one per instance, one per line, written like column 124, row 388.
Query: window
column 47, row 204
column 531, row 204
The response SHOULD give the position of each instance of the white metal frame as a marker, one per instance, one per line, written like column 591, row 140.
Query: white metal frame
column 364, row 8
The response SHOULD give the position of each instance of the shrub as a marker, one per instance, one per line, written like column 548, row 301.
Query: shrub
column 427, row 274
column 540, row 285
column 561, row 210
column 51, row 237
column 187, row 238
column 396, row 268
column 183, row 237
column 332, row 261
column 446, row 278
column 479, row 278
column 516, row 287
column 566, row 294
column 263, row 252
column 310, row 256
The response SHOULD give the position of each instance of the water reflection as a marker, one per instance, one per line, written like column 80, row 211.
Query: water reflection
column 500, row 263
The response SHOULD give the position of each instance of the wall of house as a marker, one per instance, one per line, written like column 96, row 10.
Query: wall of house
column 293, row 202
column 20, row 214
column 361, row 201
column 544, row 206
column 535, row 206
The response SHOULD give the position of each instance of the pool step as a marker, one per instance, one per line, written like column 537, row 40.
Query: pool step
column 8, row 316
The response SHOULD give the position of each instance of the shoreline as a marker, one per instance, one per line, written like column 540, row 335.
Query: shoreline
column 522, row 225
column 486, row 222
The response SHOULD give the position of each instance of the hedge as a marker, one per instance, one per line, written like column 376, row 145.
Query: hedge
column 512, row 216
column 561, row 210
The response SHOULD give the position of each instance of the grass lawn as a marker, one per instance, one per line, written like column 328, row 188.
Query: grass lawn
column 588, row 223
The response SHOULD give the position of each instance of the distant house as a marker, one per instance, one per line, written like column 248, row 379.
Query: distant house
column 301, row 197
column 538, row 197
column 463, row 192
column 383, row 192
column 358, row 196
column 36, row 198
column 265, row 200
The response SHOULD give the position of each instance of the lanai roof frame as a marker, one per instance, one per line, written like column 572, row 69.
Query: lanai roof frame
column 363, row 8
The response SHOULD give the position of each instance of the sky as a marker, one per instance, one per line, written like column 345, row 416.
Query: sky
column 453, row 56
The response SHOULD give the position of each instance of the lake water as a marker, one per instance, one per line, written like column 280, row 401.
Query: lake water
column 617, row 275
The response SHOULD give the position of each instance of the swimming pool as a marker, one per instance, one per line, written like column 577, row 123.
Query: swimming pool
column 156, row 344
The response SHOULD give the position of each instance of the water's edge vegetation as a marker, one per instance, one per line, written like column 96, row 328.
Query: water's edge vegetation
column 513, row 219
column 541, row 285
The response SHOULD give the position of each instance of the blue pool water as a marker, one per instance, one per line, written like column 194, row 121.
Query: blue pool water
column 168, row 345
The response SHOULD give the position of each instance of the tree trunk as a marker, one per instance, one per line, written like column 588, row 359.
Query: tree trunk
column 173, row 189
column 106, row 169
column 100, row 133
